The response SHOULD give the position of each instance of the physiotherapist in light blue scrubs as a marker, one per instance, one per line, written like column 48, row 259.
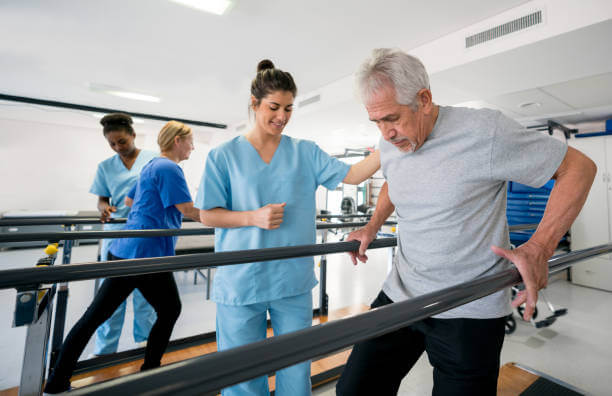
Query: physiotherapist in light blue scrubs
column 258, row 190
column 114, row 179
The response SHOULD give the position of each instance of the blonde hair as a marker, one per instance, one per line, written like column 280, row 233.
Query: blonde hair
column 172, row 129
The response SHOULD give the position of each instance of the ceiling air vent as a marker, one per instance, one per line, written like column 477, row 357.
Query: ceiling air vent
column 311, row 100
column 506, row 28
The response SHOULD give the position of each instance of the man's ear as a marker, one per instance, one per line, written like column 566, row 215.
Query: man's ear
column 425, row 101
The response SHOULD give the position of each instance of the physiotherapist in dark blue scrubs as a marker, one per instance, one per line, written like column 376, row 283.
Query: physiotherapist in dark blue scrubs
column 159, row 200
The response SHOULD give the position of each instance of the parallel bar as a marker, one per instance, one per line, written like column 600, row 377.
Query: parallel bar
column 31, row 277
column 54, row 103
column 342, row 216
column 520, row 227
column 208, row 374
column 73, row 235
column 324, row 225
column 34, row 221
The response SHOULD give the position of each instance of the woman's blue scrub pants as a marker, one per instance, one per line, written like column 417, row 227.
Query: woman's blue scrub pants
column 243, row 324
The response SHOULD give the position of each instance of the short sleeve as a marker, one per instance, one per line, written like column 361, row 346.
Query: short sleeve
column 132, row 193
column 329, row 171
column 172, row 185
column 99, row 186
column 214, row 191
column 523, row 156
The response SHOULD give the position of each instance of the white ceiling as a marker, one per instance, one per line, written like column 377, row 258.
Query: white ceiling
column 201, row 64
column 569, row 75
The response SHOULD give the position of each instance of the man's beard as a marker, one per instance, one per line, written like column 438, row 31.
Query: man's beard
column 413, row 144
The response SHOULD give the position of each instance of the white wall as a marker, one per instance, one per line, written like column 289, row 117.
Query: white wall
column 47, row 165
column 48, row 157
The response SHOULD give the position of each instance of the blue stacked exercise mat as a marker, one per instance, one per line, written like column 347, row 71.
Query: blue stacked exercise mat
column 526, row 206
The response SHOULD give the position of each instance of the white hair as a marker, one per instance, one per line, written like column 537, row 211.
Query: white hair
column 395, row 68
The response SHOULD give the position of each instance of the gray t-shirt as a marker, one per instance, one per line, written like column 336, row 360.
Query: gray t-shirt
column 450, row 201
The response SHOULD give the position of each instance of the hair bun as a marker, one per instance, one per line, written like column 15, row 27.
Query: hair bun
column 265, row 64
column 116, row 119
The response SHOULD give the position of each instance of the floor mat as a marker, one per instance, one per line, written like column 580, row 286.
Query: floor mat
column 543, row 387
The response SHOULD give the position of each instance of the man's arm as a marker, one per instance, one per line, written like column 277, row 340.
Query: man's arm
column 574, row 178
column 367, row 234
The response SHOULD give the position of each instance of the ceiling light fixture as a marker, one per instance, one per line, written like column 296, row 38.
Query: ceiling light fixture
column 135, row 96
column 123, row 93
column 217, row 7
column 527, row 105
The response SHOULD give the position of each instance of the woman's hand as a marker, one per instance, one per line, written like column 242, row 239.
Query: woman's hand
column 268, row 217
column 105, row 212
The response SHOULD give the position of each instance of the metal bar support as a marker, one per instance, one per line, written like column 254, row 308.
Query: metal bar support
column 35, row 354
column 323, row 297
column 61, row 307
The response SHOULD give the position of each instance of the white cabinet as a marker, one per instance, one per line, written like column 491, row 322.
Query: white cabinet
column 593, row 225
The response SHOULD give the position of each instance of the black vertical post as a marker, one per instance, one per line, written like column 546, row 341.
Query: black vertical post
column 61, row 306
column 323, row 298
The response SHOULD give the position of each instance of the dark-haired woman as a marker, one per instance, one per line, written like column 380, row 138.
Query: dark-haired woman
column 114, row 179
column 259, row 191
column 159, row 199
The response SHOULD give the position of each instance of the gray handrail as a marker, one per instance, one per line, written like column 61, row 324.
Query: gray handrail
column 28, row 278
column 109, row 234
column 78, row 220
column 207, row 374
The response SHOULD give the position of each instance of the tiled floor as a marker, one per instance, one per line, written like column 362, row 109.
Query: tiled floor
column 576, row 349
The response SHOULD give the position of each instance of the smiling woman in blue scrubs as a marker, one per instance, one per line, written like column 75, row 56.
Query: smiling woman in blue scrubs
column 114, row 179
column 258, row 190
column 160, row 199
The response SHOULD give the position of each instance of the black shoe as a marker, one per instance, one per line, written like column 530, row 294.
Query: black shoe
column 52, row 388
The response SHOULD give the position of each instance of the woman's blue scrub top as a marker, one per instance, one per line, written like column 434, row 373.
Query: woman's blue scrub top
column 114, row 180
column 160, row 187
column 236, row 178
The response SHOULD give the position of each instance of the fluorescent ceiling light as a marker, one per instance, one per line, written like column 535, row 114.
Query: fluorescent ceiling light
column 134, row 96
column 116, row 91
column 217, row 7
column 526, row 105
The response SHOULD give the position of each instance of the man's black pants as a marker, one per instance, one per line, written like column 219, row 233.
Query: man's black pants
column 463, row 352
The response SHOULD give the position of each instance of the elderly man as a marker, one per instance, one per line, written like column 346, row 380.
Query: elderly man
column 446, row 170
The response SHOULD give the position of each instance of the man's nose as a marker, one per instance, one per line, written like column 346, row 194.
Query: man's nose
column 389, row 133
